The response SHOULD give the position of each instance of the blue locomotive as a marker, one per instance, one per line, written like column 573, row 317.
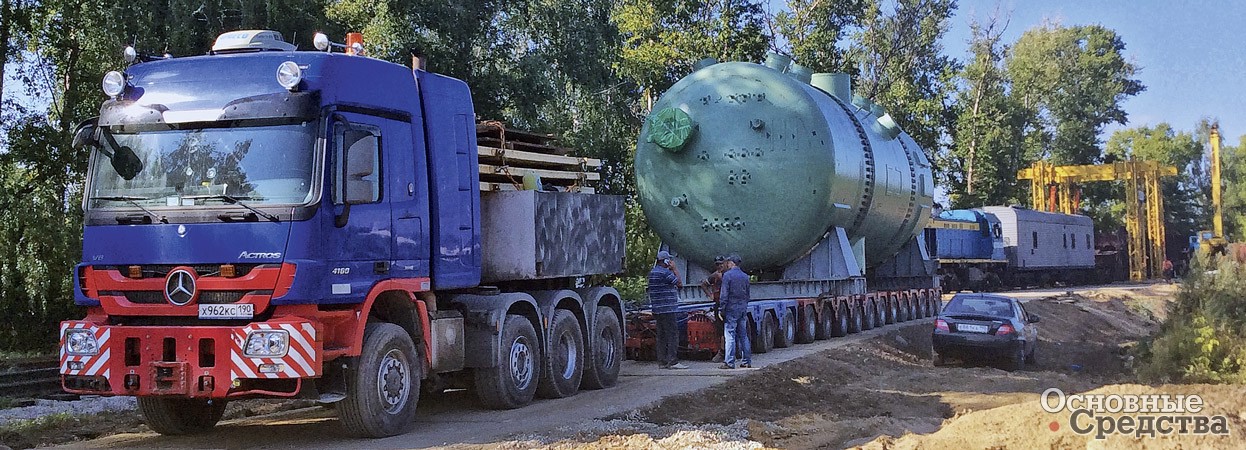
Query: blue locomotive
column 995, row 247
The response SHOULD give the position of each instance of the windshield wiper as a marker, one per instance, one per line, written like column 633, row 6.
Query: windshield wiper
column 133, row 201
column 234, row 201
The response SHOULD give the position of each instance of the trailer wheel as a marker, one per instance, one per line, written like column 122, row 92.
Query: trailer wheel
column 880, row 313
column 175, row 416
column 867, row 319
column 903, row 315
column 512, row 381
column 602, row 370
column 826, row 322
column 787, row 337
column 763, row 340
column 383, row 388
column 855, row 321
column 808, row 329
column 842, row 317
column 914, row 314
column 564, row 363
column 893, row 309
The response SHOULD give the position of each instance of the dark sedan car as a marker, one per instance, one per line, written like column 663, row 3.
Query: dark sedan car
column 973, row 325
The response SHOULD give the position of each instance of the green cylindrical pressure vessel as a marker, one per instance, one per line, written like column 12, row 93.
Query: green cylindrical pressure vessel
column 742, row 158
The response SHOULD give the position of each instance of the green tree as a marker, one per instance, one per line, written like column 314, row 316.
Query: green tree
column 1072, row 81
column 814, row 29
column 661, row 39
column 899, row 58
column 986, row 147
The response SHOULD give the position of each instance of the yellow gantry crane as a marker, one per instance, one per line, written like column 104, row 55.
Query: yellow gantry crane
column 1213, row 242
column 1052, row 189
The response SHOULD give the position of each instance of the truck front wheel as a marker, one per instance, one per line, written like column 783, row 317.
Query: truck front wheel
column 174, row 416
column 602, row 370
column 564, row 364
column 512, row 381
column 382, row 391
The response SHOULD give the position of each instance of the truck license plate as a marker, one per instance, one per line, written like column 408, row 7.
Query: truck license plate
column 969, row 328
column 235, row 311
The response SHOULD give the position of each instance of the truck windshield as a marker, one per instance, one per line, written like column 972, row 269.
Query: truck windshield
column 268, row 164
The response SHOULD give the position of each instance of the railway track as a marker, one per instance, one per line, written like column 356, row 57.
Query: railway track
column 29, row 377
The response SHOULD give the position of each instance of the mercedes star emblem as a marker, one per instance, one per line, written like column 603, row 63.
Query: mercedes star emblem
column 179, row 287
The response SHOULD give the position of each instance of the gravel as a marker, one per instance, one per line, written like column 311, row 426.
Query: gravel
column 85, row 405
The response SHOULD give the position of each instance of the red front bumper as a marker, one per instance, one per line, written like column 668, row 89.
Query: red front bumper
column 205, row 362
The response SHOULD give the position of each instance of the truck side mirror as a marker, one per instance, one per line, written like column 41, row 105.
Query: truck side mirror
column 85, row 135
column 358, row 180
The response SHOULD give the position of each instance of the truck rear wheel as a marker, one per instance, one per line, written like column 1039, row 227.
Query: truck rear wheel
column 787, row 337
column 602, row 370
column 905, row 311
column 867, row 320
column 383, row 388
column 826, row 322
column 855, row 322
column 564, row 363
column 808, row 328
column 512, row 381
column 175, row 416
column 842, row 317
column 763, row 340
column 880, row 315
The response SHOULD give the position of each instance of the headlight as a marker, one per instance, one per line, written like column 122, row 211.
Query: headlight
column 114, row 83
column 80, row 342
column 289, row 75
column 267, row 344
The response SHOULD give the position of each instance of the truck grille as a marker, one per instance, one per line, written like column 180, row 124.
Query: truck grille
column 162, row 270
column 205, row 297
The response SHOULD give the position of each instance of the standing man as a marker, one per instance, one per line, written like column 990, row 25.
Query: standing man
column 712, row 287
column 735, row 298
column 663, row 291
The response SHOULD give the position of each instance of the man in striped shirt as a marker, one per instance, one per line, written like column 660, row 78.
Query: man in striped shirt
column 664, row 282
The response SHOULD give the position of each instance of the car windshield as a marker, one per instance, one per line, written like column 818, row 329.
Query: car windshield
column 980, row 306
column 268, row 164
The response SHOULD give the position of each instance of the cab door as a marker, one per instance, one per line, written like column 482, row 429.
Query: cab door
column 361, row 244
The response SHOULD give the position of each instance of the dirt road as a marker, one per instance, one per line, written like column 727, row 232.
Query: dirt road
column 876, row 389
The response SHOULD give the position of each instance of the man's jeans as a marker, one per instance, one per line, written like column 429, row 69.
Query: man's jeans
column 668, row 338
column 735, row 331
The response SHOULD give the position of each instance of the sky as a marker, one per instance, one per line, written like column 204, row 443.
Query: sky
column 1190, row 54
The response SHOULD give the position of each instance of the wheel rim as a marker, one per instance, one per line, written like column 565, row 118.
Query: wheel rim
column 568, row 345
column 789, row 330
column 606, row 344
column 811, row 326
column 393, row 380
column 521, row 363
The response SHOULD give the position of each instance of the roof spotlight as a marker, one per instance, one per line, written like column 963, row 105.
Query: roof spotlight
column 289, row 75
column 114, row 83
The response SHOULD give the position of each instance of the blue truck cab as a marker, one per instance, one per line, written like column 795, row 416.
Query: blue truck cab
column 263, row 222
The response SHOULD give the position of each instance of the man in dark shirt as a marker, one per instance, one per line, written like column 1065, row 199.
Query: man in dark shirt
column 663, row 292
column 734, row 301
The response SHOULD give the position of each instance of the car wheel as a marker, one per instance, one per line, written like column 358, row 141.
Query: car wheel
column 1017, row 361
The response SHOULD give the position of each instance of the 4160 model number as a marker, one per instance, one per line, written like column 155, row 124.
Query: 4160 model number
column 238, row 311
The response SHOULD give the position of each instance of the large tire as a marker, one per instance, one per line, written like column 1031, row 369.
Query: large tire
column 856, row 322
column 807, row 329
column 826, row 322
column 177, row 416
column 893, row 309
column 563, row 366
column 880, row 313
column 763, row 341
column 787, row 330
column 384, row 385
column 512, row 381
column 923, row 306
column 906, row 310
column 867, row 320
column 606, row 358
column 842, row 320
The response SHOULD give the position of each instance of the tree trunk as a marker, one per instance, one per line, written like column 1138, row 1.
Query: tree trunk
column 973, row 139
